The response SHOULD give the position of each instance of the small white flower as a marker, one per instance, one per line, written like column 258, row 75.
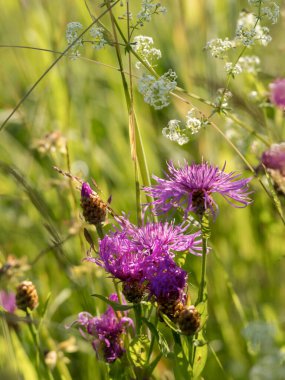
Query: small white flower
column 232, row 69
column 218, row 47
column 143, row 45
column 149, row 8
column 156, row 91
column 71, row 34
column 97, row 33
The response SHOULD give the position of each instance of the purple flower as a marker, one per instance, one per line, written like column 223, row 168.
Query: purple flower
column 105, row 331
column 277, row 92
column 8, row 301
column 191, row 187
column 166, row 281
column 86, row 190
column 161, row 238
column 274, row 158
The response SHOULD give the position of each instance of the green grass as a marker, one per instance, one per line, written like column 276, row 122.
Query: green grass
column 84, row 101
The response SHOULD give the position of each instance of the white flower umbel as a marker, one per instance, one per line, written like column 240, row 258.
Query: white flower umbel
column 143, row 45
column 193, row 124
column 232, row 69
column 249, row 30
column 218, row 47
column 149, row 8
column 72, row 32
column 271, row 12
column 156, row 91
column 249, row 64
column 98, row 39
column 174, row 132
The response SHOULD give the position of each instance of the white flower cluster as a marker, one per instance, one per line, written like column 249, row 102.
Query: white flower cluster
column 218, row 47
column 97, row 34
column 156, row 91
column 71, row 34
column 271, row 12
column 249, row 30
column 193, row 124
column 248, row 63
column 181, row 134
column 174, row 132
column 143, row 45
column 232, row 69
column 149, row 8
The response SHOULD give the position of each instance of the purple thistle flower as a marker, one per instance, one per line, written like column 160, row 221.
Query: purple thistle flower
column 277, row 93
column 86, row 190
column 191, row 187
column 161, row 238
column 274, row 157
column 166, row 280
column 8, row 301
column 107, row 330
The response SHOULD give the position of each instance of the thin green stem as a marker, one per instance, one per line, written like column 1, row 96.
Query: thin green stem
column 51, row 66
column 203, row 271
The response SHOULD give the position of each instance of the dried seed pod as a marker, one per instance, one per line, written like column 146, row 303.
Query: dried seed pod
column 189, row 320
column 26, row 296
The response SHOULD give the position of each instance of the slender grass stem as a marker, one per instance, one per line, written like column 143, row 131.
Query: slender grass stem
column 51, row 67
column 203, row 271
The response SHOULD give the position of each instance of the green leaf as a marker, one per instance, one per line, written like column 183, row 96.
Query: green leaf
column 170, row 324
column 201, row 353
column 162, row 342
column 138, row 350
column 116, row 306
column 274, row 194
column 203, row 311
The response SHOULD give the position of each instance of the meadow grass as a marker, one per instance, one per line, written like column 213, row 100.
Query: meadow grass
column 82, row 101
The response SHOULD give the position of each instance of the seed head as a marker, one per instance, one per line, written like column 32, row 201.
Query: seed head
column 94, row 209
column 189, row 320
column 26, row 296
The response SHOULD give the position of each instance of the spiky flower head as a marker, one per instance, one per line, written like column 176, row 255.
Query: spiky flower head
column 105, row 332
column 94, row 209
column 27, row 296
column 277, row 93
column 191, row 188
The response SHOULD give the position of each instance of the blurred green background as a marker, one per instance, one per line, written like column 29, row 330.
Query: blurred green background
column 76, row 119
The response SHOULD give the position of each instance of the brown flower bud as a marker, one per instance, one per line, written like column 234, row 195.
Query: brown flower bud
column 189, row 320
column 26, row 296
column 94, row 209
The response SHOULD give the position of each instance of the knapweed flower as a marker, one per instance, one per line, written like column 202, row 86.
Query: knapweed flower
column 130, row 251
column 105, row 332
column 167, row 283
column 191, row 188
column 8, row 301
column 274, row 161
column 277, row 93
column 94, row 209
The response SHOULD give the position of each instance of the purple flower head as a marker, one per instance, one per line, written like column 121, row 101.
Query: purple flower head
column 105, row 331
column 117, row 257
column 86, row 190
column 8, row 301
column 274, row 157
column 161, row 238
column 166, row 281
column 277, row 92
column 191, row 187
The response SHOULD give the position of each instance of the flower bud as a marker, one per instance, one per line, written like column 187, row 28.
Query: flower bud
column 94, row 209
column 26, row 296
column 277, row 93
column 189, row 320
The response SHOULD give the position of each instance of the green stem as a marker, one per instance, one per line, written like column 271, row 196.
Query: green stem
column 203, row 271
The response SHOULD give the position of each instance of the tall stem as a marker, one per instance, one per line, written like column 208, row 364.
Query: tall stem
column 203, row 270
